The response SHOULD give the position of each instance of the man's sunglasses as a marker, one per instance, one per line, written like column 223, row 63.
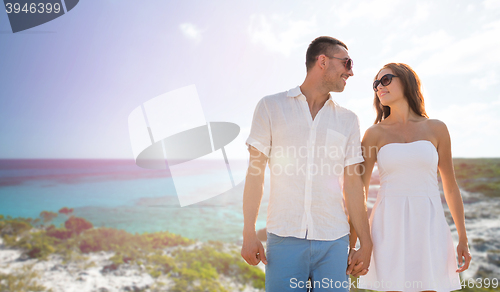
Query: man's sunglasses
column 385, row 80
column 348, row 63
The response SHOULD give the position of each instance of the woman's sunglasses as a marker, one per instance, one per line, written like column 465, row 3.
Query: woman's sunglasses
column 385, row 80
column 348, row 62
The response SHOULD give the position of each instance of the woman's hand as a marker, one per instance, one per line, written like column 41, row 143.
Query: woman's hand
column 463, row 252
column 355, row 263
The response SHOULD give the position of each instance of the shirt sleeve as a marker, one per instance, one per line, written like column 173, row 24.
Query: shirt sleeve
column 260, row 133
column 353, row 149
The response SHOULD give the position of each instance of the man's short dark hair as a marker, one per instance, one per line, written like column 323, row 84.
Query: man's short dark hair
column 321, row 45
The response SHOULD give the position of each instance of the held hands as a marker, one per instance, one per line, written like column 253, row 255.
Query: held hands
column 463, row 252
column 358, row 261
column 252, row 250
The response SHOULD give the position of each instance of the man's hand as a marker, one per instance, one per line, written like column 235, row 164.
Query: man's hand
column 253, row 250
column 358, row 261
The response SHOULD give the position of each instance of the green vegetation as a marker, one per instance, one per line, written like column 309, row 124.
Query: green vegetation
column 24, row 279
column 214, row 263
column 481, row 175
column 192, row 266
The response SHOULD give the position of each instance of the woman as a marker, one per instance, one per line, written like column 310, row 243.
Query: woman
column 412, row 244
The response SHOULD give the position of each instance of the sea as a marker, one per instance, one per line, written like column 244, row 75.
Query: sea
column 119, row 194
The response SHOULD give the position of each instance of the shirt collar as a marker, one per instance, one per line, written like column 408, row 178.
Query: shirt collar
column 295, row 92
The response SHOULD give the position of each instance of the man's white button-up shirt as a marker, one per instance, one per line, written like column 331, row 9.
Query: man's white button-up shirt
column 306, row 159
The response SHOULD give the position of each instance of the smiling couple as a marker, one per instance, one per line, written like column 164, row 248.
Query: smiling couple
column 309, row 234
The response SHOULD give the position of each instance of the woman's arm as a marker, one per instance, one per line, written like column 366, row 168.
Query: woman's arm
column 451, row 191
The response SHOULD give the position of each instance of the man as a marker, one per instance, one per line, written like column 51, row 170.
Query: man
column 312, row 145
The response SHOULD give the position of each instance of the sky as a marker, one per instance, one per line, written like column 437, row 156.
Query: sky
column 68, row 86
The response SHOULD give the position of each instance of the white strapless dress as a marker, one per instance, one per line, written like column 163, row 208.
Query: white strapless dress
column 412, row 245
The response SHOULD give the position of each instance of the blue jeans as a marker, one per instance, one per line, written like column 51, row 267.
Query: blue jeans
column 292, row 261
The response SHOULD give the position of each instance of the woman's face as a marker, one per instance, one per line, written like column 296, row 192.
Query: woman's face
column 392, row 92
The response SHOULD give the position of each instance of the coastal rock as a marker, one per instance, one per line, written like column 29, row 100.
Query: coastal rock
column 58, row 267
column 133, row 288
column 109, row 268
column 493, row 257
column 481, row 221
column 23, row 257
column 479, row 244
column 9, row 255
column 484, row 272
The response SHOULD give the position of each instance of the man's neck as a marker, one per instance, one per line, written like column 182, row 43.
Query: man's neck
column 315, row 95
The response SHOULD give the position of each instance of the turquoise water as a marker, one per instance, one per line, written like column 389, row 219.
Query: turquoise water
column 118, row 194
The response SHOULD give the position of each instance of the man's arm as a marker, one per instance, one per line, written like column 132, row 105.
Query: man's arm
column 252, row 250
column 356, row 206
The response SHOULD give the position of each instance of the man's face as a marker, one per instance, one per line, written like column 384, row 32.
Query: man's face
column 336, row 74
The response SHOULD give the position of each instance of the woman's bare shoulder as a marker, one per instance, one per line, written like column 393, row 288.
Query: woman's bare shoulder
column 437, row 126
column 372, row 134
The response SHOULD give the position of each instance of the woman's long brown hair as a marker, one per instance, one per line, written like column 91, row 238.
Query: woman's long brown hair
column 411, row 90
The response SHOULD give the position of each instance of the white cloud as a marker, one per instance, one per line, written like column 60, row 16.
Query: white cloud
column 280, row 33
column 387, row 45
column 491, row 4
column 191, row 32
column 373, row 10
column 486, row 81
column 424, row 44
column 467, row 55
column 421, row 14
column 422, row 11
